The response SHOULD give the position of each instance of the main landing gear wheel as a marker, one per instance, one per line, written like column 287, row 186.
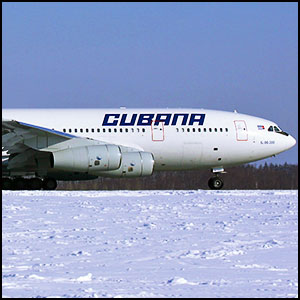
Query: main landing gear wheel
column 49, row 184
column 215, row 183
column 35, row 184
column 20, row 184
column 7, row 184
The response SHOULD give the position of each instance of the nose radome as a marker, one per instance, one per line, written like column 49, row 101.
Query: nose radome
column 292, row 142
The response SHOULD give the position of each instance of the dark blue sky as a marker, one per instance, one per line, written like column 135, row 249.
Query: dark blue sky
column 223, row 56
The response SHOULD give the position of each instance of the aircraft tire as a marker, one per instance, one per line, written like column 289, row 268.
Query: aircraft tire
column 35, row 184
column 215, row 183
column 7, row 184
column 20, row 184
column 49, row 184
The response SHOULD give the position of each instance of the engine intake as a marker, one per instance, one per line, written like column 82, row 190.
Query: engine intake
column 90, row 159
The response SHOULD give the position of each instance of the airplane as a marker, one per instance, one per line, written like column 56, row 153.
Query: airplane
column 43, row 146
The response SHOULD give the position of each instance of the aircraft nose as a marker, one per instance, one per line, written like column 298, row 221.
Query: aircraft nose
column 291, row 143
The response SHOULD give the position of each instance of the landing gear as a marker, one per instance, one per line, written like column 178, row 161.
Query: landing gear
column 215, row 183
column 49, row 184
column 35, row 183
column 7, row 184
column 20, row 184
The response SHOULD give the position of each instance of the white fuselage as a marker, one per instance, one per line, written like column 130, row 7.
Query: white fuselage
column 179, row 139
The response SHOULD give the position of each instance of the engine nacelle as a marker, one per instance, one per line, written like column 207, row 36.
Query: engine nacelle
column 134, row 164
column 90, row 159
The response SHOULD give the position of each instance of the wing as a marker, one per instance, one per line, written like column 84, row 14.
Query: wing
column 16, row 136
column 22, row 143
column 27, row 146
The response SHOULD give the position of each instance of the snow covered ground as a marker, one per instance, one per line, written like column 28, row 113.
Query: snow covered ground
column 150, row 244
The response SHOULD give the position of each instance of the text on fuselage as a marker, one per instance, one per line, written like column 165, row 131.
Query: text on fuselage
column 156, row 119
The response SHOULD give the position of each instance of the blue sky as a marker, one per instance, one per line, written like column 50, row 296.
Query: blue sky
column 223, row 56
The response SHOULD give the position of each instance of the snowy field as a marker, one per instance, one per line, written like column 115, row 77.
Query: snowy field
column 150, row 244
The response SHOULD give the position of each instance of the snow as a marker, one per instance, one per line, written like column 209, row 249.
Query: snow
column 145, row 244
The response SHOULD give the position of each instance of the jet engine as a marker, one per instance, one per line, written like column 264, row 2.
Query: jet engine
column 134, row 164
column 89, row 159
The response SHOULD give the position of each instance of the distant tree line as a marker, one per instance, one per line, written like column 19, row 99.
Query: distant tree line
column 267, row 176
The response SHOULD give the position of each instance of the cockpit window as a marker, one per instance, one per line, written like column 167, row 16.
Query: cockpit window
column 277, row 129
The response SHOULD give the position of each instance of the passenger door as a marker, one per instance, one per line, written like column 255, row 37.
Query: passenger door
column 241, row 130
column 157, row 131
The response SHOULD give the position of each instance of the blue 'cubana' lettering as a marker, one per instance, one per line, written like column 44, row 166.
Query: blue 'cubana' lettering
column 147, row 119
column 197, row 118
column 165, row 118
column 106, row 120
column 184, row 119
column 132, row 121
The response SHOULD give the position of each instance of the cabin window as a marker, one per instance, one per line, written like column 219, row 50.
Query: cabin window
column 92, row 129
column 109, row 129
column 194, row 129
column 210, row 129
column 121, row 130
column 98, row 129
column 226, row 129
column 64, row 130
column 204, row 129
column 87, row 130
column 104, row 130
column 126, row 129
column 143, row 130
column 188, row 130
column 75, row 129
column 221, row 129
column 115, row 130
column 81, row 130
column 216, row 130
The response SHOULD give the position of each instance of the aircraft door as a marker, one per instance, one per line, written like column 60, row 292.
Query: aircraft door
column 157, row 131
column 241, row 130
